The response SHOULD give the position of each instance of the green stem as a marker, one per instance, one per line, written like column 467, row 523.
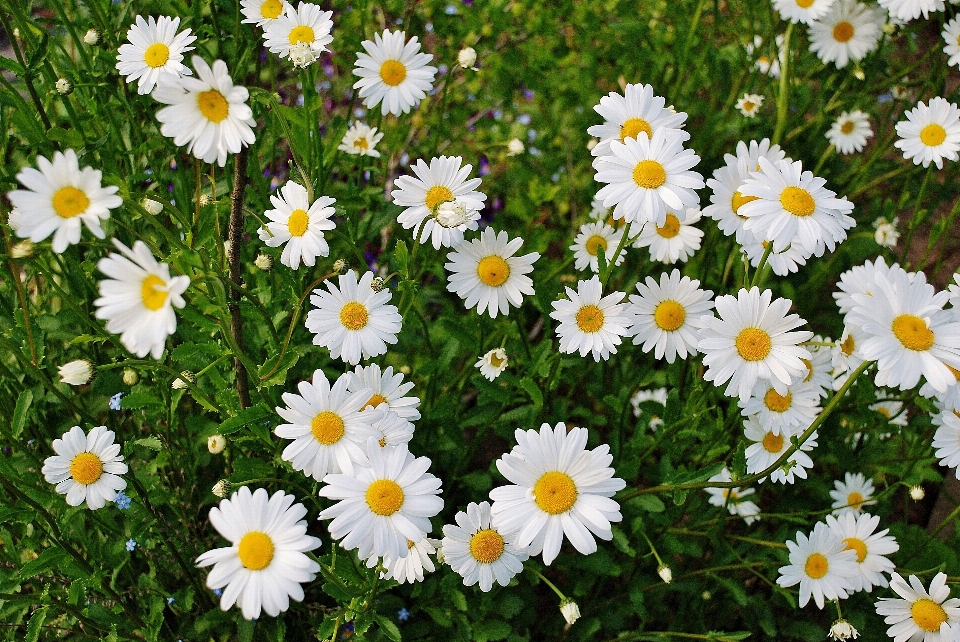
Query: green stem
column 548, row 583
column 784, row 95
column 914, row 222
column 613, row 261
column 763, row 262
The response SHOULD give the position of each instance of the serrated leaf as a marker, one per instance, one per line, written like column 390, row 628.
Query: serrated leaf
column 36, row 624
column 139, row 400
column 491, row 630
column 440, row 616
column 48, row 559
column 336, row 592
column 458, row 599
column 533, row 390
column 649, row 503
column 149, row 442
column 24, row 399
column 401, row 257
column 244, row 417
column 389, row 628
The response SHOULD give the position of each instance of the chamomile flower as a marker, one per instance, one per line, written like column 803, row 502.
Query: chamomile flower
column 930, row 133
column 805, row 11
column 768, row 447
column 361, row 140
column 637, row 111
column 906, row 10
column 298, row 225
column 411, row 567
column 479, row 552
column 667, row 315
column 951, row 35
column 154, row 50
column 262, row 12
column 557, row 488
column 266, row 562
column 852, row 494
column 59, row 196
column 676, row 240
column 749, row 104
column 138, row 298
column 493, row 363
column 947, row 441
column 305, row 26
column 393, row 73
column 733, row 498
column 388, row 388
column 86, row 467
column 783, row 413
column 589, row 322
column 591, row 240
column 485, row 273
column 919, row 615
column 849, row 31
column 850, row 131
column 208, row 114
column 353, row 320
column 857, row 532
column 821, row 564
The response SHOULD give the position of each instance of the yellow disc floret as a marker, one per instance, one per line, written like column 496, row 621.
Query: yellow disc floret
column 775, row 402
column 816, row 566
column 213, row 105
column 354, row 316
column 843, row 32
column 649, row 174
column 633, row 126
column 493, row 271
column 271, row 9
column 933, row 135
column 86, row 468
column 384, row 497
column 300, row 34
column 375, row 400
column 69, row 202
column 753, row 344
column 927, row 614
column 555, row 493
column 773, row 443
column 589, row 319
column 797, row 201
column 436, row 195
column 327, row 427
column 486, row 546
column 255, row 550
column 670, row 227
column 156, row 55
column 913, row 333
column 669, row 315
column 392, row 72
column 594, row 244
column 153, row 290
column 297, row 223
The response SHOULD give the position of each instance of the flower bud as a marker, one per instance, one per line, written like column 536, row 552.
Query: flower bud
column 64, row 87
column 302, row 55
column 515, row 147
column 76, row 373
column 222, row 488
column 917, row 493
column 91, row 37
column 451, row 213
column 22, row 250
column 263, row 261
column 570, row 611
column 216, row 444
column 181, row 382
column 130, row 377
column 467, row 57
column 665, row 573
column 339, row 266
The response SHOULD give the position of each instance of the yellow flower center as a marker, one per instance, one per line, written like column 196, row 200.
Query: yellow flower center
column 847, row 127
column 436, row 195
column 776, row 402
column 671, row 227
column 748, row 105
column 496, row 361
column 392, row 72
column 300, row 34
column 797, row 201
column 804, row 4
column 69, row 202
column 933, row 135
column 384, row 497
column 928, row 615
column 809, row 366
column 843, row 32
column 913, row 332
column 297, row 223
column 739, row 200
column 354, row 316
column 817, row 565
column 327, row 427
column 271, row 9
column 669, row 315
column 362, row 143
column 649, row 174
column 153, row 292
column 493, row 271
column 589, row 319
column 633, row 126
column 773, row 443
column 555, row 493
column 883, row 411
column 848, row 345
column 486, row 546
column 213, row 105
column 855, row 499
column 86, row 468
column 594, row 244
column 255, row 550
column 156, row 55
column 753, row 344
column 854, row 544
column 375, row 401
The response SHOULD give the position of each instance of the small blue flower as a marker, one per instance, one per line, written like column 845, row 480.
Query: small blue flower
column 218, row 592
column 403, row 615
column 170, row 600
column 115, row 401
column 131, row 544
column 450, row 10
column 122, row 501
column 524, row 119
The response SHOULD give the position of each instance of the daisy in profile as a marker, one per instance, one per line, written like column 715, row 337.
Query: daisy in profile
column 852, row 494
column 947, row 441
column 906, row 10
column 849, row 31
column 87, row 467
column 676, row 240
column 138, row 298
column 443, row 181
column 353, row 320
column 591, row 240
column 862, row 279
column 930, row 133
column 850, row 131
column 733, row 498
column 266, row 562
column 208, row 114
column 557, row 488
column 821, row 564
column 647, row 176
column 485, row 273
column 752, row 339
column 667, row 315
column 298, row 225
column 847, row 356
column 262, row 12
column 890, row 409
column 920, row 615
column 387, row 502
column 783, row 413
column 393, row 73
column 885, row 232
column 820, row 365
column 951, row 35
column 749, row 104
column 493, row 363
column 388, row 388
column 637, row 111
column 782, row 263
column 154, row 50
column 411, row 567
column 479, row 552
column 59, row 196
column 391, row 428
column 659, row 395
column 857, row 532
column 805, row 11
column 589, row 322
column 300, row 34
column 361, row 140
column 768, row 447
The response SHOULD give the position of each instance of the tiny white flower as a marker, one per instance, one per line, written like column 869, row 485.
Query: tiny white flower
column 515, row 147
column 263, row 262
column 91, row 37
column 493, row 363
column 216, row 444
column 749, row 104
column 665, row 573
column 570, row 611
column 63, row 86
column 467, row 58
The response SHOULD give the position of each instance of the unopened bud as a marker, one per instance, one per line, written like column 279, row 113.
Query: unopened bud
column 64, row 87
column 467, row 57
column 181, row 382
column 377, row 283
column 515, row 147
column 263, row 261
column 91, row 37
column 204, row 200
column 451, row 213
column 222, row 488
column 76, row 373
column 917, row 493
column 130, row 377
column 570, row 611
column 665, row 573
column 22, row 250
column 339, row 266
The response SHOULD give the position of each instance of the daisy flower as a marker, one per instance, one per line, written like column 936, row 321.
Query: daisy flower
column 765, row 63
column 393, row 72
column 444, row 180
column 782, row 263
column 478, row 551
column 849, row 31
column 646, row 176
column 300, row 34
column 87, row 467
column 733, row 498
column 852, row 494
column 805, row 11
column 387, row 502
column 667, row 315
column 641, row 396
column 885, row 232
column 155, row 50
column 820, row 364
column 862, row 279
column 591, row 240
column 485, row 273
column 208, row 114
column 857, row 532
column 138, row 299
column 783, row 413
column 361, row 140
column 298, row 225
column 749, row 104
column 391, row 428
column 947, row 441
column 59, row 196
column 951, row 35
column 493, row 363
column 266, row 562
column 676, row 240
column 919, row 615
column 262, row 12
column 637, row 111
column 557, row 488
column 847, row 355
column 353, row 321
column 589, row 323
column 768, row 447
column 891, row 410
column 752, row 340
column 906, row 10
column 388, row 388
column 821, row 564
column 412, row 566
column 930, row 133
column 850, row 131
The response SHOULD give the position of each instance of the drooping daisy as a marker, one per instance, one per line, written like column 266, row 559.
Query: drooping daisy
column 445, row 180
column 676, row 240
column 637, row 111
column 387, row 502
column 155, row 50
column 852, row 494
column 557, row 488
column 393, row 73
column 783, row 413
column 591, row 240
column 266, row 562
column 493, row 363
column 261, row 12
column 768, row 447
column 930, row 133
column 658, row 395
column 667, row 315
column 847, row 355
column 391, row 428
column 87, row 467
column 890, row 409
column 300, row 34
column 749, row 104
column 820, row 365
column 485, row 273
column 733, row 498
column 298, row 225
column 885, row 232
column 805, row 11
column 857, row 532
column 646, row 176
column 849, row 31
column 353, row 320
column 590, row 322
column 361, row 140
column 918, row 615
column 906, row 10
column 138, row 299
column 849, row 133
column 478, row 551
column 208, row 114
column 947, row 441
column 411, row 567
column 752, row 340
column 59, row 196
column 782, row 263
column 951, row 35
column 388, row 388
column 821, row 564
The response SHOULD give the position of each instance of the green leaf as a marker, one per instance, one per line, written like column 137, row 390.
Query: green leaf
column 724, row 637
column 389, row 628
column 24, row 399
column 149, row 442
column 337, row 593
column 279, row 375
column 649, row 503
column 244, row 417
column 11, row 65
column 458, row 600
column 440, row 616
column 679, row 496
column 531, row 389
column 36, row 624
column 139, row 400
column 402, row 257
column 48, row 559
column 485, row 630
